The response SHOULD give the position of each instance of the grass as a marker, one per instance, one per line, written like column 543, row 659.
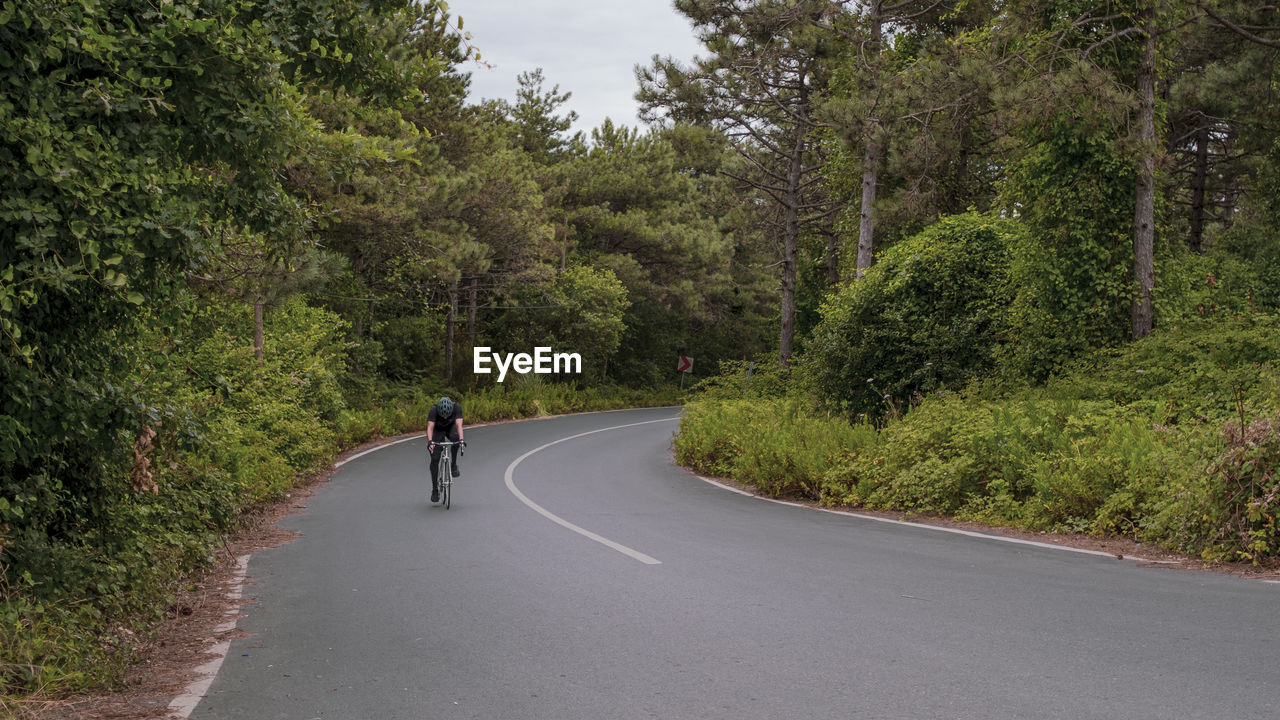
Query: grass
column 1173, row 441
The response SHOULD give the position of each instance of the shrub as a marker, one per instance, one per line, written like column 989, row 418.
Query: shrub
column 1229, row 511
column 1071, row 270
column 775, row 445
column 230, row 433
column 764, row 377
column 1197, row 369
column 927, row 315
column 1192, row 286
column 412, row 347
column 1254, row 241
column 1130, row 442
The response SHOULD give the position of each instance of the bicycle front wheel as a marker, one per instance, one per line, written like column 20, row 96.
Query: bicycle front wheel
column 446, row 478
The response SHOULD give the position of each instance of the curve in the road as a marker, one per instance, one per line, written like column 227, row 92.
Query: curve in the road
column 509, row 476
column 391, row 607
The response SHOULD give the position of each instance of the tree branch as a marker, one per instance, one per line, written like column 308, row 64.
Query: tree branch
column 1240, row 30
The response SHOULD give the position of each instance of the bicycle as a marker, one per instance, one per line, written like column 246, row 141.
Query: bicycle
column 445, row 471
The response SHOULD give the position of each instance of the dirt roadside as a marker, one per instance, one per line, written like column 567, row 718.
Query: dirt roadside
column 195, row 622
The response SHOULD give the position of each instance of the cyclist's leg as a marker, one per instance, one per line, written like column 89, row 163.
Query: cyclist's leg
column 453, row 436
column 435, row 473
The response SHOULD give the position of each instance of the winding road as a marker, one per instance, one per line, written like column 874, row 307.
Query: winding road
column 581, row 575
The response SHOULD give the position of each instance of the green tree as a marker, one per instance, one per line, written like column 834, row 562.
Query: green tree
column 638, row 205
column 539, row 128
column 912, row 121
column 765, row 71
column 149, row 135
column 578, row 310
column 1221, row 92
column 415, row 253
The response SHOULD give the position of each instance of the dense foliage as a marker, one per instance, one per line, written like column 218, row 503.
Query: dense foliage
column 1019, row 262
column 928, row 315
column 1033, row 187
column 237, row 237
column 1171, row 441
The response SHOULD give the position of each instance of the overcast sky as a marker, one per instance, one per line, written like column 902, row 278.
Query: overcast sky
column 587, row 47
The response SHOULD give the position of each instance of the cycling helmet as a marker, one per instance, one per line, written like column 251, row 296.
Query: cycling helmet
column 445, row 406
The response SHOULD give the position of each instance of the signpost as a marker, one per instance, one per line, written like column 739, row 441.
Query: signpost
column 684, row 366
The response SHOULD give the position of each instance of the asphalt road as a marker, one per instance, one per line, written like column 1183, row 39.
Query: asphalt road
column 688, row 601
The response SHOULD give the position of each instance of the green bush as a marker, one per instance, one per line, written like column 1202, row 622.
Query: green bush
column 764, row 377
column 1193, row 286
column 1254, row 242
column 230, row 433
column 1072, row 266
column 928, row 315
column 1228, row 511
column 1197, row 369
column 412, row 347
column 775, row 445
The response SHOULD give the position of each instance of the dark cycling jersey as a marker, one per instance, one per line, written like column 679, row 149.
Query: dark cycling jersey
column 446, row 427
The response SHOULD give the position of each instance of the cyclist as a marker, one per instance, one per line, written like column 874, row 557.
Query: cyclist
column 444, row 422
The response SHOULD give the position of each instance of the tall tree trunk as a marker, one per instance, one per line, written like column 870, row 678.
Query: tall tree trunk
column 473, row 295
column 791, row 238
column 866, row 222
column 1144, row 206
column 564, row 247
column 1198, row 179
column 257, row 330
column 872, row 154
column 956, row 203
column 833, row 257
column 450, row 320
column 1230, row 194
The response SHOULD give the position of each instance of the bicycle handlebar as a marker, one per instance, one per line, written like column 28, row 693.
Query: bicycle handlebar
column 448, row 443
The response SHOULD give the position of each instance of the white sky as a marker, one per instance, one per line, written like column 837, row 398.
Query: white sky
column 587, row 47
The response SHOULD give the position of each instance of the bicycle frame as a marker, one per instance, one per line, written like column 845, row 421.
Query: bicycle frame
column 445, row 471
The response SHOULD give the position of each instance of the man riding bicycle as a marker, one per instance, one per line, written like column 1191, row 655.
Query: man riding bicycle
column 444, row 423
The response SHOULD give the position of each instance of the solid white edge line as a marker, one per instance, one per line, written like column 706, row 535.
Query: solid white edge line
column 185, row 704
column 923, row 526
column 939, row 528
column 511, row 485
column 340, row 463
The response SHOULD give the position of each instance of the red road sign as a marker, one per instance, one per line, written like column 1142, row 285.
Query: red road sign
column 685, row 365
